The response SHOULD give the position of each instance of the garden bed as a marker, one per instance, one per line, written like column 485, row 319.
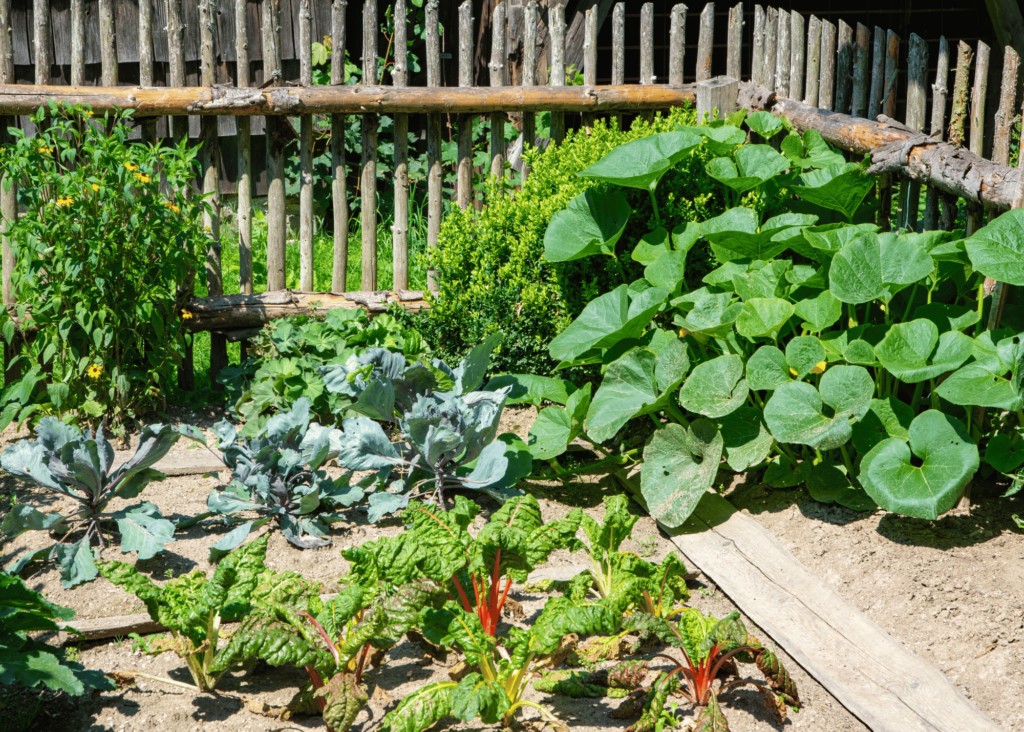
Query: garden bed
column 919, row 582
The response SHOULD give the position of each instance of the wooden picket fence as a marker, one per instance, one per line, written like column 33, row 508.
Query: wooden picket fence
column 847, row 70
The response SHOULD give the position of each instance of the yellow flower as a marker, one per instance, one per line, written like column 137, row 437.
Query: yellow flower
column 87, row 113
column 131, row 166
column 143, row 178
column 65, row 201
column 819, row 368
column 186, row 315
column 95, row 187
column 171, row 206
column 94, row 371
column 45, row 150
column 794, row 372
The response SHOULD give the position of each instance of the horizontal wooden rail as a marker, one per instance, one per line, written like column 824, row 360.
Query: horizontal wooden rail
column 160, row 101
column 896, row 148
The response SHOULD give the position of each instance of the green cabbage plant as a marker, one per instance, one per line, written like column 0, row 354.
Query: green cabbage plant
column 80, row 467
column 821, row 350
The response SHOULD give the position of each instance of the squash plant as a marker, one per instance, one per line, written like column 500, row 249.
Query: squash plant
column 821, row 350
column 80, row 466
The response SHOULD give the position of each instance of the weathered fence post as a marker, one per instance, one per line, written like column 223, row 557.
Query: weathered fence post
column 43, row 45
column 861, row 77
column 177, row 127
column 937, row 128
column 757, row 55
column 734, row 48
column 975, row 212
column 827, row 80
column 277, row 222
column 108, row 43
column 368, row 176
column 647, row 51
column 892, row 56
column 529, row 77
column 618, row 53
column 339, row 194
column 400, row 229
column 917, row 110
column 243, row 209
column 798, row 42
column 78, row 42
column 433, row 142
column 556, row 30
column 146, row 61
column 497, row 79
column 8, row 197
column 677, row 43
column 877, row 74
column 782, row 55
column 844, row 68
column 719, row 93
column 705, row 42
column 813, row 75
column 590, row 56
column 305, row 52
column 464, row 175
column 771, row 40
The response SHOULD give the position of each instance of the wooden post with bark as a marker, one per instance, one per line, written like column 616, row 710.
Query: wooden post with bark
column 8, row 196
column 961, row 88
column 177, row 128
column 590, row 57
column 368, row 174
column 734, row 46
column 243, row 210
column 877, row 74
column 497, row 79
column 339, row 194
column 464, row 174
column 433, row 142
column 937, row 128
column 647, row 51
column 798, row 42
column 78, row 41
column 146, row 61
column 844, row 69
column 305, row 52
column 771, row 45
column 277, row 222
column 618, row 53
column 892, row 56
column 529, row 77
column 42, row 43
column 917, row 111
column 705, row 42
column 400, row 230
column 827, row 80
column 861, row 72
column 813, row 76
column 975, row 212
column 676, row 44
column 556, row 28
column 108, row 43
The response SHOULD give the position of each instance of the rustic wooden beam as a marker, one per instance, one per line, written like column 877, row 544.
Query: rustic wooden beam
column 894, row 148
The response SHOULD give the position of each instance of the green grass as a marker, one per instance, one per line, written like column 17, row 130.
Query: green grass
column 323, row 266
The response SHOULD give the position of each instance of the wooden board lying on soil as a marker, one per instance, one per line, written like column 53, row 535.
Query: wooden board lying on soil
column 179, row 462
column 885, row 685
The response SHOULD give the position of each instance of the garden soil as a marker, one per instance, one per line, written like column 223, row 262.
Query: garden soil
column 950, row 590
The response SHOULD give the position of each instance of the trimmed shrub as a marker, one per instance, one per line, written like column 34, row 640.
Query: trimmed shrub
column 489, row 265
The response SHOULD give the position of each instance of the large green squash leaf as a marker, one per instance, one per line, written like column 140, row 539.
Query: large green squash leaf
column 754, row 165
column 915, row 352
column 838, row 187
column 555, row 427
column 715, row 388
column 591, row 224
column 997, row 250
column 763, row 317
column 887, row 418
column 745, row 438
column 948, row 461
column 605, row 321
column 795, row 411
column 737, row 234
column 975, row 385
column 767, row 369
column 680, row 465
column 873, row 267
column 641, row 163
column 712, row 315
column 718, row 140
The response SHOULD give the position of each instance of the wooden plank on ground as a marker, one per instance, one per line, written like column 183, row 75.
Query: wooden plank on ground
column 883, row 684
column 179, row 462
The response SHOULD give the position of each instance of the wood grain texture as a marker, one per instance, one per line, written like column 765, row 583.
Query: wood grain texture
column 434, row 204
column 734, row 44
column 892, row 63
column 556, row 28
column 306, row 151
column 705, row 42
column 618, row 52
column 647, row 44
column 676, row 44
column 877, row 74
column 339, row 194
column 783, row 52
column 42, row 42
column 243, row 191
column 861, row 72
column 499, row 30
column 916, row 116
column 277, row 222
column 979, row 95
column 1006, row 113
column 78, row 42
column 813, row 75
column 961, row 89
column 368, row 163
column 530, row 18
column 400, row 228
column 757, row 55
column 844, row 68
column 798, row 43
column 827, row 74
column 882, row 683
column 108, row 43
column 937, row 128
column 465, row 121
column 771, row 28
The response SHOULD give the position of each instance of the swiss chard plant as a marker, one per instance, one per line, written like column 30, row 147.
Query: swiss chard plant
column 287, row 360
column 80, row 467
column 479, row 569
column 279, row 474
column 193, row 607
column 30, row 662
column 821, row 351
column 708, row 669
column 447, row 429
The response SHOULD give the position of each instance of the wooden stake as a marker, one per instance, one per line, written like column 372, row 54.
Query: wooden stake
column 145, row 61
column 771, row 40
column 8, row 197
column 499, row 31
column 177, row 128
column 877, row 74
column 705, row 42
column 797, row 40
column 757, row 60
column 529, row 76
column 243, row 192
column 108, row 44
column 892, row 59
column 277, row 223
column 556, row 27
column 961, row 86
column 368, row 176
column 938, row 125
column 734, row 52
column 844, row 68
column 861, row 75
column 618, row 52
column 339, row 194
column 976, row 213
column 1007, row 107
column 827, row 80
column 400, row 230
column 43, row 45
column 813, row 76
column 917, row 111
column 590, row 57
column 78, row 41
column 465, row 121
column 433, row 142
column 305, row 53
column 676, row 44
column 783, row 54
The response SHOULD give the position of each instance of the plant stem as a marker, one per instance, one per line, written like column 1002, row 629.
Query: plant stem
column 918, row 391
column 846, row 461
column 165, row 680
column 934, row 396
column 676, row 413
column 910, row 303
column 980, row 327
column 654, row 204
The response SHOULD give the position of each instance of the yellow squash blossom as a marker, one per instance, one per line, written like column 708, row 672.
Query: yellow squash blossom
column 65, row 201
column 819, row 368
column 186, row 315
column 94, row 371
